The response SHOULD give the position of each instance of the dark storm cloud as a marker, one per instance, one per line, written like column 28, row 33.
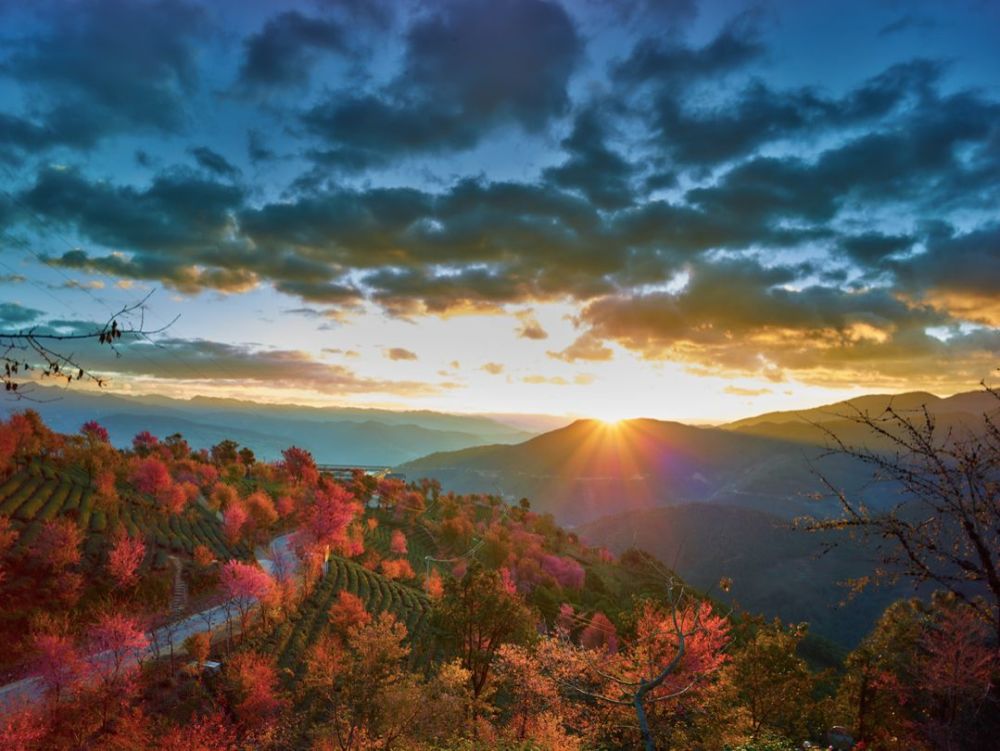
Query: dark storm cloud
column 108, row 66
column 284, row 51
column 469, row 67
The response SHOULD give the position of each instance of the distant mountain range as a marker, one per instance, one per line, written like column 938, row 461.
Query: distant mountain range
column 335, row 435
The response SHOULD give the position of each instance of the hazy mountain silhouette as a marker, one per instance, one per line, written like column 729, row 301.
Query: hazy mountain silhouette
column 334, row 435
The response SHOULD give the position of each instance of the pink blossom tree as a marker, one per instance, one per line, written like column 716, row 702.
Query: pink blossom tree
column 233, row 520
column 245, row 585
column 117, row 642
column 397, row 543
column 95, row 432
column 57, row 664
column 124, row 559
column 150, row 475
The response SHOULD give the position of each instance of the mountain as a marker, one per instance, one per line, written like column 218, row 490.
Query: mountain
column 590, row 469
column 774, row 569
column 815, row 425
column 334, row 435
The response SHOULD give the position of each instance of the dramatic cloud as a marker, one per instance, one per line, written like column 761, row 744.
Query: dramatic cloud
column 469, row 68
column 104, row 67
column 680, row 182
column 282, row 53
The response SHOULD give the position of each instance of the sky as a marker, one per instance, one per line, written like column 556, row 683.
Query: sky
column 676, row 209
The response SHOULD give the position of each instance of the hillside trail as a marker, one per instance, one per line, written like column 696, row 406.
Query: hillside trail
column 179, row 597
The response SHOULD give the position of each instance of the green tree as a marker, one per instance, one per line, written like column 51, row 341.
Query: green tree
column 476, row 616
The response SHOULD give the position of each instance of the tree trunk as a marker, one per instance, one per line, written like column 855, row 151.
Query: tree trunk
column 640, row 712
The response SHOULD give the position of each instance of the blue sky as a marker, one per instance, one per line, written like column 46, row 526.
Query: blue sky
column 678, row 209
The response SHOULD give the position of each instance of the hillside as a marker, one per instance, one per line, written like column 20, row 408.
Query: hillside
column 775, row 569
column 590, row 469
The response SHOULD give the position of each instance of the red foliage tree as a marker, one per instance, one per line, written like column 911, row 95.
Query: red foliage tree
column 117, row 642
column 57, row 663
column 245, row 585
column 213, row 732
column 124, row 559
column 348, row 611
column 565, row 571
column 328, row 518
column 397, row 543
column 57, row 546
column 150, row 475
column 299, row 466
column 233, row 520
column 21, row 729
column 94, row 431
column 600, row 633
column 433, row 585
column 261, row 509
column 253, row 684
column 145, row 443
column 173, row 498
column 397, row 569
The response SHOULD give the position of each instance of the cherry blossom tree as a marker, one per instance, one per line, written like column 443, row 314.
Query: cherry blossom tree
column 397, row 542
column 57, row 663
column 252, row 681
column 245, row 585
column 150, row 475
column 117, row 643
column 347, row 612
column 57, row 546
column 124, row 559
column 233, row 520
column 145, row 443
column 600, row 633
column 299, row 466
column 95, row 432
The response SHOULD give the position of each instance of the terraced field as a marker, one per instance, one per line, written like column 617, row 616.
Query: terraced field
column 419, row 543
column 290, row 640
column 32, row 497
